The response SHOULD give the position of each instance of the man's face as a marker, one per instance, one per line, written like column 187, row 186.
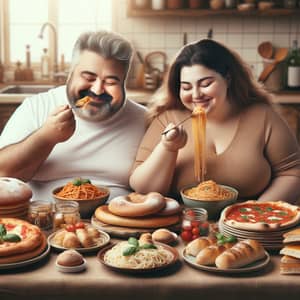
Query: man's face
column 102, row 80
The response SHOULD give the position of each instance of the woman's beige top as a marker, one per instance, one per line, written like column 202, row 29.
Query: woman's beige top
column 262, row 148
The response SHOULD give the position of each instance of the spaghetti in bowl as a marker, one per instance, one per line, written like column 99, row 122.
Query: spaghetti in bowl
column 209, row 195
column 87, row 195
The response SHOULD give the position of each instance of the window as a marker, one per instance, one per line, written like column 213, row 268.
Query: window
column 69, row 17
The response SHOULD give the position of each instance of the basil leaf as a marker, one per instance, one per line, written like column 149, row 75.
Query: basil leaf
column 11, row 237
column 219, row 236
column 129, row 251
column 133, row 241
column 2, row 230
column 77, row 182
column 148, row 246
column 243, row 210
column 86, row 180
column 230, row 239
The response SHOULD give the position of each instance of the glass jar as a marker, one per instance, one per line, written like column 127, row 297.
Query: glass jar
column 40, row 213
column 66, row 212
column 194, row 224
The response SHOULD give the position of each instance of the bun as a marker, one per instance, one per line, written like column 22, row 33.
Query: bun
column 145, row 238
column 241, row 254
column 69, row 258
column 194, row 247
column 164, row 236
column 71, row 240
column 208, row 255
column 13, row 191
column 84, row 239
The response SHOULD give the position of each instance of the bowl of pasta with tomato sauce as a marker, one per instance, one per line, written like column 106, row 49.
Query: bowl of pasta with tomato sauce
column 86, row 194
column 209, row 195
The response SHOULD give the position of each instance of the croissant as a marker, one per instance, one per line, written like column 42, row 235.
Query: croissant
column 241, row 254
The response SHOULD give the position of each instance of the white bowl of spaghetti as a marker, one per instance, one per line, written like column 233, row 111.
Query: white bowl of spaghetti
column 88, row 196
column 209, row 195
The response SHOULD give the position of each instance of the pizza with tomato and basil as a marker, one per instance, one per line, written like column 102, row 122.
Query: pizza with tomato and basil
column 18, row 239
column 261, row 216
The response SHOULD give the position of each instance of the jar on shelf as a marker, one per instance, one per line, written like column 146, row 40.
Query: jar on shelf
column 40, row 213
column 66, row 212
column 194, row 224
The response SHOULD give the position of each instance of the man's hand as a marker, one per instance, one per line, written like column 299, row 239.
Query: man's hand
column 60, row 125
column 174, row 139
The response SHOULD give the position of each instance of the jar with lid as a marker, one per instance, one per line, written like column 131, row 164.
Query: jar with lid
column 194, row 224
column 40, row 213
column 66, row 212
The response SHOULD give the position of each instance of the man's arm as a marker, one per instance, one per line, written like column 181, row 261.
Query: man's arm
column 23, row 159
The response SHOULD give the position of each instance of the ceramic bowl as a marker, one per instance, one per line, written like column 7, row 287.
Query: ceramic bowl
column 213, row 207
column 73, row 269
column 86, row 207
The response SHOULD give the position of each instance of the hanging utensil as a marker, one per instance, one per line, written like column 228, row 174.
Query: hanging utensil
column 265, row 49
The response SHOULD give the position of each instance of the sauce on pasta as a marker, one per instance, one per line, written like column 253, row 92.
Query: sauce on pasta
column 209, row 190
column 199, row 135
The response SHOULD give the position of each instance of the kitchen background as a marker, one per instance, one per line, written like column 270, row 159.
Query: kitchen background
column 159, row 32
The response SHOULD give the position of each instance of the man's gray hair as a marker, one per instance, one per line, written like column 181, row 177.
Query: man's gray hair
column 105, row 43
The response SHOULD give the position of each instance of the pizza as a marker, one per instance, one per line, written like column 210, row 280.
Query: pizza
column 261, row 216
column 18, row 237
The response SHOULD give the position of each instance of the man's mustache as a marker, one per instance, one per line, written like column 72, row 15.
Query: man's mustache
column 102, row 97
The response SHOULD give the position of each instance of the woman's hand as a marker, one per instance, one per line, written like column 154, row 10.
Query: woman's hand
column 60, row 125
column 174, row 139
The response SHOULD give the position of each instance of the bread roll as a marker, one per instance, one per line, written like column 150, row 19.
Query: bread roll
column 85, row 240
column 59, row 237
column 145, row 238
column 93, row 232
column 208, row 255
column 194, row 247
column 71, row 240
column 69, row 258
column 241, row 254
column 164, row 236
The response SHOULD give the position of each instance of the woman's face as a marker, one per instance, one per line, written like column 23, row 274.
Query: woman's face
column 200, row 86
column 102, row 80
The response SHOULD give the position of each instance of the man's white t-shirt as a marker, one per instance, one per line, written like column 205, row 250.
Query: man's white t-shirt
column 103, row 151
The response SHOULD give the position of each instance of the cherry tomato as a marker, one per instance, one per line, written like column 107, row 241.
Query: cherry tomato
column 186, row 235
column 190, row 213
column 79, row 225
column 70, row 227
column 195, row 231
column 195, row 223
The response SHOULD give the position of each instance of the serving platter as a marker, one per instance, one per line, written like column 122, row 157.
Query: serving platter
column 103, row 240
column 126, row 232
column 28, row 261
column 258, row 265
column 101, row 253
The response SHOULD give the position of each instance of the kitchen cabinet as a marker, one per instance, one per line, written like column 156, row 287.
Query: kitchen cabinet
column 132, row 11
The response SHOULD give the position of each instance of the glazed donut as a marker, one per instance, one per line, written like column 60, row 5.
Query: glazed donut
column 172, row 207
column 137, row 205
column 104, row 215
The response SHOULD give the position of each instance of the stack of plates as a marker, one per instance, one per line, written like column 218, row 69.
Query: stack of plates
column 271, row 240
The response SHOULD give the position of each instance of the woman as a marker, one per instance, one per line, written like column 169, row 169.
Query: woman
column 248, row 145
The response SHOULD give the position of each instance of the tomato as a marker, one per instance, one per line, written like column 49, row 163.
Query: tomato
column 195, row 223
column 70, row 227
column 190, row 213
column 186, row 235
column 79, row 225
column 195, row 231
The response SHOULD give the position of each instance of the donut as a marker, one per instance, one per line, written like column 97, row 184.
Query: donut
column 105, row 216
column 172, row 207
column 137, row 205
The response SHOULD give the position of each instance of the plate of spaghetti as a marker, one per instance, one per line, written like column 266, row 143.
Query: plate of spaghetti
column 116, row 257
column 209, row 195
column 81, row 190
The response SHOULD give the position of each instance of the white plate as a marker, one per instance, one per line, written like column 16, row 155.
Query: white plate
column 26, row 262
column 103, row 240
column 73, row 269
column 260, row 264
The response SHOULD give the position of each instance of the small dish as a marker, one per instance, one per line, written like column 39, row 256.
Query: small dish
column 73, row 269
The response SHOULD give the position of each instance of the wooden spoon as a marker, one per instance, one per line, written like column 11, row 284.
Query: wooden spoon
column 265, row 49
column 280, row 55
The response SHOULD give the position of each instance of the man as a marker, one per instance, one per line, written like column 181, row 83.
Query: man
column 51, row 139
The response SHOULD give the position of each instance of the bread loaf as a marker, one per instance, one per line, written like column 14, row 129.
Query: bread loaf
column 194, row 247
column 208, row 255
column 241, row 254
column 164, row 236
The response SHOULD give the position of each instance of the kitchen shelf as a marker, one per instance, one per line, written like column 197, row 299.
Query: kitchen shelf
column 186, row 12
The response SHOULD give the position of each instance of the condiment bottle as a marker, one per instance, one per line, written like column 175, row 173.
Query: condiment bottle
column 293, row 67
column 66, row 212
column 194, row 224
column 40, row 214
